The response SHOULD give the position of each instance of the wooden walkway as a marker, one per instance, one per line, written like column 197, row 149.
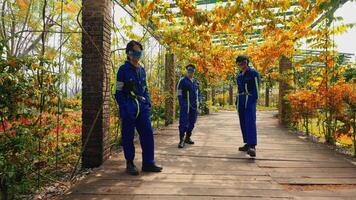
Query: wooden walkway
column 286, row 167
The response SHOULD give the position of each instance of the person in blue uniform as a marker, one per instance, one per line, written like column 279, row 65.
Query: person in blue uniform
column 134, row 103
column 189, row 97
column 248, row 82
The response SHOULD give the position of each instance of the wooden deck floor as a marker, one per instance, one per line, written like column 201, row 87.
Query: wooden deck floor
column 286, row 167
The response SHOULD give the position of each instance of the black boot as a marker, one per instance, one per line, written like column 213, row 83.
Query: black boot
column 188, row 140
column 131, row 168
column 244, row 148
column 151, row 168
column 181, row 141
column 251, row 151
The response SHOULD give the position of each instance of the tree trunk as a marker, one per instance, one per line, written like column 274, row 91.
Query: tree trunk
column 285, row 65
column 3, row 190
column 66, row 80
column 170, row 88
column 223, row 92
column 231, row 95
column 267, row 95
column 213, row 94
column 204, row 93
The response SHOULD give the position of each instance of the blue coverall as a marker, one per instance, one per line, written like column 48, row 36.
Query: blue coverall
column 134, row 104
column 246, row 100
column 189, row 97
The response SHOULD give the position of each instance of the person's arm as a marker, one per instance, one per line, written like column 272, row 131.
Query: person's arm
column 257, row 83
column 200, row 98
column 180, row 91
column 146, row 93
column 238, row 93
column 119, row 94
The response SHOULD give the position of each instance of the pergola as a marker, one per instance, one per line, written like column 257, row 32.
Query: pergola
column 96, row 70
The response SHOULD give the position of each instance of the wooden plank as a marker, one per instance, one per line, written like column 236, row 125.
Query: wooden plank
column 214, row 169
column 185, row 177
column 164, row 197
column 247, row 184
column 331, row 194
column 117, row 172
column 321, row 198
column 313, row 175
column 218, row 192
column 262, row 156
column 301, row 164
column 331, row 171
column 316, row 181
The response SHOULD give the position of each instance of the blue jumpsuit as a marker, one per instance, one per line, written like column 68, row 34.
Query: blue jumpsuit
column 246, row 100
column 134, row 103
column 189, row 98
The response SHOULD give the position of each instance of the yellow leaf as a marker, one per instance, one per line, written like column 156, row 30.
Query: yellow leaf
column 125, row 2
column 50, row 54
column 71, row 7
column 150, row 6
column 23, row 5
column 285, row 4
column 303, row 3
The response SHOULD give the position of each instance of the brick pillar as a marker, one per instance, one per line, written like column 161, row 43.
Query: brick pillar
column 96, row 44
column 285, row 65
column 170, row 88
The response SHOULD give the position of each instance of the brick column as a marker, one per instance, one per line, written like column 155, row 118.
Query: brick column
column 170, row 88
column 285, row 65
column 96, row 47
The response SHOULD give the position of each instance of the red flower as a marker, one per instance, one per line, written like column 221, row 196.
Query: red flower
column 4, row 126
column 77, row 130
column 24, row 120
column 13, row 133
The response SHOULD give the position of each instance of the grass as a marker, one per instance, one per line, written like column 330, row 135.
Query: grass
column 344, row 140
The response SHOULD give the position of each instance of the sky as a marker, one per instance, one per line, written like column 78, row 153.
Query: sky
column 347, row 42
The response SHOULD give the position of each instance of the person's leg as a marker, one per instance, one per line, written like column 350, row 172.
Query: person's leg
column 193, row 115
column 242, row 123
column 241, row 112
column 183, row 126
column 250, row 124
column 128, row 134
column 251, row 130
column 145, row 132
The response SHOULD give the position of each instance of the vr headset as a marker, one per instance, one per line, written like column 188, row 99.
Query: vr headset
column 135, row 54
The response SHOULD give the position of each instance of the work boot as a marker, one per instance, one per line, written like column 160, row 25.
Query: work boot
column 188, row 140
column 181, row 142
column 131, row 168
column 244, row 148
column 151, row 168
column 251, row 151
